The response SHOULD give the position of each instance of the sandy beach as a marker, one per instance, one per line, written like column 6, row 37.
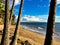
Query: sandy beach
column 33, row 37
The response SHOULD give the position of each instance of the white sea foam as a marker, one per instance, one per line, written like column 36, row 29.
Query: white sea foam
column 40, row 30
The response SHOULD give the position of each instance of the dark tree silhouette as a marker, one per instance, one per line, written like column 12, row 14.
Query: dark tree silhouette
column 14, row 40
column 5, row 36
column 50, row 24
column 11, row 12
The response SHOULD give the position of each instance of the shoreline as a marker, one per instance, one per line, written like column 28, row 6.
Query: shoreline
column 42, row 37
column 33, row 37
column 40, row 32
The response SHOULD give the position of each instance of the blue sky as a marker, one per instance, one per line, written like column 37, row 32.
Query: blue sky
column 36, row 10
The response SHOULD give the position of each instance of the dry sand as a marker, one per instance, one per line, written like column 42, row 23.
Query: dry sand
column 33, row 37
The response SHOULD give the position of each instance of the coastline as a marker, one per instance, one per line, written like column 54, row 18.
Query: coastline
column 40, row 37
column 33, row 37
column 41, row 31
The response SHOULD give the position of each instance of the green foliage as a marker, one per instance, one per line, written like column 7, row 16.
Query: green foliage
column 2, row 13
column 1, row 6
column 2, row 1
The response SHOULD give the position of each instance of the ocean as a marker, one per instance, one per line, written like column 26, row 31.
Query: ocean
column 40, row 27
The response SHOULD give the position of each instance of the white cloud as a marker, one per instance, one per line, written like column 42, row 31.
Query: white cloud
column 16, row 16
column 16, row 2
column 43, row 17
column 39, row 18
column 58, row 1
column 57, row 18
column 29, row 18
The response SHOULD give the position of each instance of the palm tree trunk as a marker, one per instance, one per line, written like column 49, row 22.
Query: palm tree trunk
column 14, row 40
column 11, row 12
column 50, row 24
column 5, row 36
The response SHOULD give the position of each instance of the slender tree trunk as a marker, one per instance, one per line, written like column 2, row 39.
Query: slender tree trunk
column 50, row 24
column 11, row 12
column 14, row 40
column 5, row 36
